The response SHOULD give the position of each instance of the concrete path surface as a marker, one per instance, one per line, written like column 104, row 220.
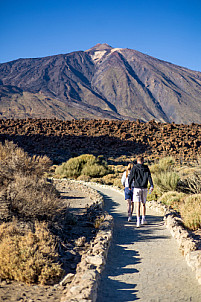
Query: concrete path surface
column 143, row 263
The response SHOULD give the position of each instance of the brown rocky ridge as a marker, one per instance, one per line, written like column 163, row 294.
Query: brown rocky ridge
column 102, row 83
column 61, row 140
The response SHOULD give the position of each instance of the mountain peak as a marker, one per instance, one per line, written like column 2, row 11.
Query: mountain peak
column 99, row 46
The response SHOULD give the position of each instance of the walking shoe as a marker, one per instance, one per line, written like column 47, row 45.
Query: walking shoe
column 138, row 224
column 129, row 218
column 143, row 221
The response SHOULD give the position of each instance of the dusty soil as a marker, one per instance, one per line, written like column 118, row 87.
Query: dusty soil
column 79, row 199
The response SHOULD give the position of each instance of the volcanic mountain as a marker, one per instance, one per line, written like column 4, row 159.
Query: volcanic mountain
column 102, row 83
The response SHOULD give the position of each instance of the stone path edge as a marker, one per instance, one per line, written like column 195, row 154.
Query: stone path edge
column 83, row 285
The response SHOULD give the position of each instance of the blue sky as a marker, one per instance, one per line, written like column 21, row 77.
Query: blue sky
column 168, row 30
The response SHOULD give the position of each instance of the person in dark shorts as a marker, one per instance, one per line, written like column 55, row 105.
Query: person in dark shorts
column 140, row 175
column 128, row 193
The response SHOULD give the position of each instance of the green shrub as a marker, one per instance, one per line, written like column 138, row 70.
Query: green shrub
column 191, row 211
column 166, row 181
column 86, row 164
column 172, row 199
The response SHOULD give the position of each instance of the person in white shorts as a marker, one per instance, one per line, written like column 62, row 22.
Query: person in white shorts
column 140, row 174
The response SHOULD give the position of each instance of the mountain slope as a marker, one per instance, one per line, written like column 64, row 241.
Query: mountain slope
column 102, row 82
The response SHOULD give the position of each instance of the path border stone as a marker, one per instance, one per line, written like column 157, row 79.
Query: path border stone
column 83, row 286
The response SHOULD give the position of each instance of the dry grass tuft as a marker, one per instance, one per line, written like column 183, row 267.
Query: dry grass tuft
column 191, row 211
column 172, row 199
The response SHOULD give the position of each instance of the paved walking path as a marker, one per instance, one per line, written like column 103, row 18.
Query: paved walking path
column 143, row 263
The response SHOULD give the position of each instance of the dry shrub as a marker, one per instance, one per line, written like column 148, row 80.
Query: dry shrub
column 98, row 180
column 185, row 172
column 193, row 183
column 23, row 191
column 84, row 178
column 29, row 257
column 30, row 198
column 172, row 199
column 14, row 160
column 117, row 183
column 109, row 179
column 191, row 211
column 86, row 164
column 117, row 168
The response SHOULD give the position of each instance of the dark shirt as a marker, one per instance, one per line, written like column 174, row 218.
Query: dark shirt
column 140, row 174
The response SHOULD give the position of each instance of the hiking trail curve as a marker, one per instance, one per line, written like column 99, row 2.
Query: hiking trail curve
column 143, row 263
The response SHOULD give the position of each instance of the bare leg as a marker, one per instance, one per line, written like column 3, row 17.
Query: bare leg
column 143, row 214
column 138, row 205
column 129, row 207
column 143, row 209
column 138, row 209
column 132, row 207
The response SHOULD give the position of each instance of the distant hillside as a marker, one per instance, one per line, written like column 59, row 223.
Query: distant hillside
column 102, row 82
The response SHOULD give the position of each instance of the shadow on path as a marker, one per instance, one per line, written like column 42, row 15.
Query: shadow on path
column 122, row 257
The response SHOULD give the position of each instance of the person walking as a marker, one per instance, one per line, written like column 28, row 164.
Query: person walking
column 140, row 175
column 127, row 191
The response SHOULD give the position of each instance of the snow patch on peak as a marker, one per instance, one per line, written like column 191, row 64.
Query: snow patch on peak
column 97, row 56
column 116, row 49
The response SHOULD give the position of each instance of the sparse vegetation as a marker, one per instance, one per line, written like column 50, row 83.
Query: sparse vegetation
column 178, row 187
column 28, row 203
column 23, row 191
